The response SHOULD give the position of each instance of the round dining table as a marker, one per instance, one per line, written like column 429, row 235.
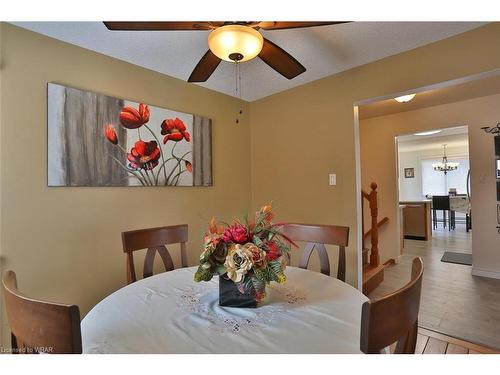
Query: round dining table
column 170, row 313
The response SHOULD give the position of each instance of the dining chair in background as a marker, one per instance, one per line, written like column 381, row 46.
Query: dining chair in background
column 442, row 203
column 155, row 241
column 393, row 318
column 316, row 237
column 39, row 326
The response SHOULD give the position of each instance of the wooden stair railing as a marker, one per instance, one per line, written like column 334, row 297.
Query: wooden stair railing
column 379, row 224
column 372, row 199
column 373, row 271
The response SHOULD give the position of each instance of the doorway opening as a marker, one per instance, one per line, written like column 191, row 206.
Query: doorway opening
column 433, row 180
column 401, row 150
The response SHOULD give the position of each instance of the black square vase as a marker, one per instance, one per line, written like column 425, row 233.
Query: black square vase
column 230, row 296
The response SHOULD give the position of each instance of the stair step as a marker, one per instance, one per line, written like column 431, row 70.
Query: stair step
column 372, row 277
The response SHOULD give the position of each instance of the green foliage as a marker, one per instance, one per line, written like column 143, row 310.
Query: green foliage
column 203, row 274
column 257, row 241
column 248, row 285
column 274, row 270
column 220, row 269
column 258, row 284
column 262, row 274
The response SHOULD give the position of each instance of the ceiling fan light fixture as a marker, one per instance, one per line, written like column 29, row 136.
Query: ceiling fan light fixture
column 235, row 43
column 404, row 98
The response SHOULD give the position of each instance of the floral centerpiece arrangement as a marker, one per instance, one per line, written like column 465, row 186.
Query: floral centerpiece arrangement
column 248, row 255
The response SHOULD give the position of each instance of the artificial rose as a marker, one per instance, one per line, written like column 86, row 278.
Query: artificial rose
column 238, row 262
column 258, row 256
column 189, row 166
column 219, row 254
column 110, row 134
column 132, row 118
column 236, row 233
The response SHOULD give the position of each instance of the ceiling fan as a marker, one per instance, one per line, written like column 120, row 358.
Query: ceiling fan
column 231, row 41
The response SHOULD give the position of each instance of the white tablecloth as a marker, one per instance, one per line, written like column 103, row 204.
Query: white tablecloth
column 170, row 313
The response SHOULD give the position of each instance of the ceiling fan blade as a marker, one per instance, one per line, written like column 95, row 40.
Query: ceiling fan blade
column 277, row 25
column 205, row 67
column 160, row 26
column 280, row 60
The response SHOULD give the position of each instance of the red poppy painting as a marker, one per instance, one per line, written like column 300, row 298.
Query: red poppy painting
column 98, row 140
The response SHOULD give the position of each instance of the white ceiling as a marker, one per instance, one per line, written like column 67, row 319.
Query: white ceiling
column 453, row 138
column 322, row 50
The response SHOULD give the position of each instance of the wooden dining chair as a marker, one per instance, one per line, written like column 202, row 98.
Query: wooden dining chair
column 393, row 318
column 38, row 326
column 316, row 237
column 155, row 241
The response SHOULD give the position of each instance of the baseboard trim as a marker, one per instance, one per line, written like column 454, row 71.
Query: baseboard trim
column 418, row 238
column 390, row 261
column 485, row 273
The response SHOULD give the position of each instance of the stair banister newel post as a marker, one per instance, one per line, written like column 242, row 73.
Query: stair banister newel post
column 374, row 255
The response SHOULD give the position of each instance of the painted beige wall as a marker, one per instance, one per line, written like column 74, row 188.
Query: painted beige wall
column 64, row 243
column 378, row 155
column 1, row 256
column 300, row 135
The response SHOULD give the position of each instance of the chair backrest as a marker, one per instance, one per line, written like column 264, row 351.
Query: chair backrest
column 393, row 318
column 316, row 237
column 39, row 326
column 154, row 240
column 441, row 202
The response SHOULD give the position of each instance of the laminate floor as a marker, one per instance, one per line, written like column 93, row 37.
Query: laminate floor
column 453, row 301
column 430, row 342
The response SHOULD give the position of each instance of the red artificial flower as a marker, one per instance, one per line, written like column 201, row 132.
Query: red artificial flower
column 110, row 134
column 267, row 211
column 144, row 155
column 132, row 118
column 174, row 130
column 259, row 295
column 189, row 166
column 236, row 233
column 273, row 251
column 213, row 228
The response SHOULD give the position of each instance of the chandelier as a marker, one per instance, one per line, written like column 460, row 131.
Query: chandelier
column 445, row 166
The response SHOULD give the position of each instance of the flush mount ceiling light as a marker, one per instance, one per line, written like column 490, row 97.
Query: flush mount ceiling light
column 235, row 43
column 404, row 98
column 430, row 132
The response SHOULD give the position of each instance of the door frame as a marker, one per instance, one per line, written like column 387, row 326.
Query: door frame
column 357, row 149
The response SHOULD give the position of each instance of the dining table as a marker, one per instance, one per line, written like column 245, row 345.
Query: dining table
column 170, row 313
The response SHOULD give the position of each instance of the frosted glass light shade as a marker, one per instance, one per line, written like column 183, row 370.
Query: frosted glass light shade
column 404, row 98
column 235, row 39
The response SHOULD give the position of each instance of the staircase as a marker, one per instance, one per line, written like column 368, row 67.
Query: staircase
column 373, row 271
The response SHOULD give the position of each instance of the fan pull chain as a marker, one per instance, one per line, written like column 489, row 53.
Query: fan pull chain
column 238, row 90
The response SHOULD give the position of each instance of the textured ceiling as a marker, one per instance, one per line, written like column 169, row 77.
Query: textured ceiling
column 322, row 50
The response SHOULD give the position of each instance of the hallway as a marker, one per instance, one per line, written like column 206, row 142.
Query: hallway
column 453, row 301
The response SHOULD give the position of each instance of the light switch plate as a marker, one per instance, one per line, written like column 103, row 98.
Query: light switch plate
column 332, row 179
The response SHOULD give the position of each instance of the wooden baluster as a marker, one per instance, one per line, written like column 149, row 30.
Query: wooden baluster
column 362, row 221
column 374, row 256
